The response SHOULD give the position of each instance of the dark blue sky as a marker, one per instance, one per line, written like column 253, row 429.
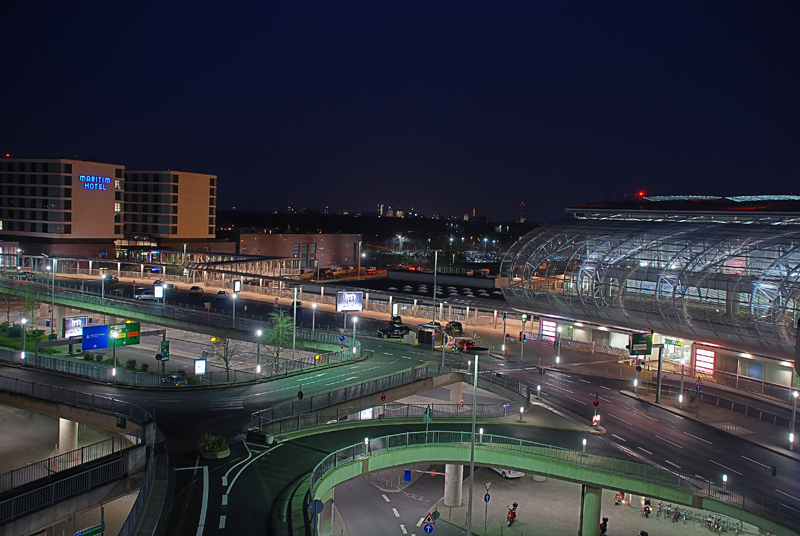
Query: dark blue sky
column 445, row 106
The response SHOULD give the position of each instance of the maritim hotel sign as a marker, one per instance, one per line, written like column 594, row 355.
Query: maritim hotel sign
column 90, row 182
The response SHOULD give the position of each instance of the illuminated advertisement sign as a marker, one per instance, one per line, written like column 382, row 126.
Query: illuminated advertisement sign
column 73, row 326
column 349, row 301
column 90, row 182
column 199, row 366
column 704, row 361
column 548, row 330
column 95, row 337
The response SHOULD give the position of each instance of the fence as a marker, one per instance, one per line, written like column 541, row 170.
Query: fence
column 76, row 398
column 30, row 473
column 49, row 494
column 129, row 527
column 761, row 506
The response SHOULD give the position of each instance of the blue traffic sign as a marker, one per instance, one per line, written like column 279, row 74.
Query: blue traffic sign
column 486, row 498
column 507, row 405
column 697, row 387
column 428, row 529
column 341, row 338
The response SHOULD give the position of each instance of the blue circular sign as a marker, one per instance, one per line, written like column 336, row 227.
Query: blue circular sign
column 341, row 338
column 697, row 387
column 486, row 498
column 428, row 529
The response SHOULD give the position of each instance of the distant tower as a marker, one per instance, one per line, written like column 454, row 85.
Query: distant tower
column 473, row 213
column 521, row 212
column 389, row 213
column 326, row 209
column 380, row 210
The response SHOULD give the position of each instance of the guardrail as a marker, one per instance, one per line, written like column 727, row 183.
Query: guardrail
column 761, row 506
column 76, row 398
column 45, row 468
column 129, row 527
column 49, row 494
column 291, row 410
column 385, row 411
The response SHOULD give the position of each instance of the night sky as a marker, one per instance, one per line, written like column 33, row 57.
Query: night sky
column 443, row 106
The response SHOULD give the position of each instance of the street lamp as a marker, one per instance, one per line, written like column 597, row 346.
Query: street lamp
column 53, row 302
column 258, row 351
column 114, row 353
column 359, row 260
column 558, row 345
column 584, row 444
column 794, row 414
column 355, row 321
column 472, row 447
column 102, row 286
column 24, row 321
column 522, row 338
column 435, row 266
column 313, row 317
column 294, row 322
column 233, row 302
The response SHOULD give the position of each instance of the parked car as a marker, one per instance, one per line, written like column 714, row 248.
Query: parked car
column 508, row 473
column 223, row 294
column 112, row 279
column 298, row 302
column 372, row 270
column 396, row 320
column 146, row 295
column 171, row 287
column 175, row 380
column 393, row 331
column 465, row 344
column 158, row 283
column 454, row 328
column 197, row 291
column 22, row 275
column 325, row 273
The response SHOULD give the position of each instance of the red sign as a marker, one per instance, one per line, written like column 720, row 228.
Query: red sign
column 462, row 402
column 383, row 397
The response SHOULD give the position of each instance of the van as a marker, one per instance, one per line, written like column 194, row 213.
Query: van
column 325, row 273
column 23, row 275
column 371, row 270
column 337, row 272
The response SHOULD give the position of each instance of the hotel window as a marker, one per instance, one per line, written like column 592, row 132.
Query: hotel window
column 211, row 230
column 174, row 230
column 175, row 199
column 118, row 184
column 211, row 191
column 67, row 168
column 117, row 207
column 174, row 179
column 174, row 220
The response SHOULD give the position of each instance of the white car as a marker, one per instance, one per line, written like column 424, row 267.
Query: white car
column 508, row 473
column 222, row 295
column 146, row 295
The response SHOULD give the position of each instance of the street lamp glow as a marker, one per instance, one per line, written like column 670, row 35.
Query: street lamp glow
column 584, row 442
column 724, row 478
column 635, row 383
column 794, row 394
column 259, row 332
column 314, row 305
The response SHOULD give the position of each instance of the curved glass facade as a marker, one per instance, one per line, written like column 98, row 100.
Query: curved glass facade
column 732, row 284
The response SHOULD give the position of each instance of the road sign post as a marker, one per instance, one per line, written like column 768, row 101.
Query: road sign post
column 164, row 351
column 96, row 530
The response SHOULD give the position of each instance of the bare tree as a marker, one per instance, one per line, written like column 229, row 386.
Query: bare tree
column 227, row 352
column 279, row 335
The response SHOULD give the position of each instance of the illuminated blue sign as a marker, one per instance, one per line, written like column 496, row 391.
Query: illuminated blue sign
column 90, row 182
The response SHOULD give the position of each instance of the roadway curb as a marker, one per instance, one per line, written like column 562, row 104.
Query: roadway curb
column 793, row 457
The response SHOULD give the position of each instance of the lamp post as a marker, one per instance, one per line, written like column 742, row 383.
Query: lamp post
column 24, row 322
column 680, row 396
column 435, row 265
column 505, row 315
column 355, row 321
column 258, row 351
column 313, row 317
column 558, row 344
column 472, row 447
column 53, row 302
column 233, row 302
column 359, row 261
column 584, row 444
column 294, row 323
column 794, row 414
column 522, row 338
column 103, row 287
column 114, row 353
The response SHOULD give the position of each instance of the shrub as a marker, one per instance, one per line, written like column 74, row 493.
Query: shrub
column 99, row 358
column 108, row 361
column 145, row 367
column 87, row 356
column 36, row 333
column 131, row 363
column 15, row 331
column 211, row 443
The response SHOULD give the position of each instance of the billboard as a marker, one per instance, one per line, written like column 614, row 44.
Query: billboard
column 125, row 334
column 95, row 337
column 72, row 326
column 347, row 300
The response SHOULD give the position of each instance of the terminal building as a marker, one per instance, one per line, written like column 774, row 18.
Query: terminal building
column 716, row 279
column 71, row 207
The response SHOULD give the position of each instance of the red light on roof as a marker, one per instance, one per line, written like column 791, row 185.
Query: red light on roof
column 641, row 193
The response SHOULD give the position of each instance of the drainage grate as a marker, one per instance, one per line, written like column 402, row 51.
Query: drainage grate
column 732, row 428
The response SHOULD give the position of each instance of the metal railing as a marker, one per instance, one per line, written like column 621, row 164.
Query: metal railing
column 76, row 398
column 55, row 464
column 129, row 527
column 751, row 502
column 385, row 411
column 49, row 494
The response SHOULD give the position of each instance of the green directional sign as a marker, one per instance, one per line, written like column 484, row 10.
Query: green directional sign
column 164, row 350
column 97, row 530
column 641, row 344
column 125, row 334
column 428, row 417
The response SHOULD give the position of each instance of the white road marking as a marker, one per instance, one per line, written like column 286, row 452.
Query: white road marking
column 204, row 510
column 387, row 353
column 403, row 528
column 419, row 523
column 668, row 441
column 620, row 419
column 644, row 450
column 225, row 499
column 584, row 381
column 791, row 496
column 573, row 398
column 604, row 387
column 672, row 464
column 728, row 468
column 225, row 480
column 385, row 498
column 620, row 438
column 645, row 415
column 606, row 399
column 396, row 513
column 755, row 462
column 249, row 455
column 700, row 438
column 222, row 522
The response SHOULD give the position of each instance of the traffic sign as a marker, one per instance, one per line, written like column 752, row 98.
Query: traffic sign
column 429, row 519
column 487, row 485
column 436, row 515
column 486, row 498
column 541, row 371
column 698, row 381
column 316, row 506
column 383, row 397
column 638, row 368
column 92, row 531
column 427, row 418
column 427, row 529
column 341, row 338
column 462, row 402
column 207, row 305
column 698, row 387
column 596, row 403
column 164, row 350
column 507, row 405
column 641, row 343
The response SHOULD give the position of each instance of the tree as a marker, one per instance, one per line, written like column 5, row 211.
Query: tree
column 279, row 335
column 227, row 352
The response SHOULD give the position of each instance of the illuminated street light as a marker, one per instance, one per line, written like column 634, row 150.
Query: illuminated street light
column 258, row 351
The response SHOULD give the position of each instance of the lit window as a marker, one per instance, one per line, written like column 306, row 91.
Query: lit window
column 118, row 184
column 705, row 361
column 117, row 207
